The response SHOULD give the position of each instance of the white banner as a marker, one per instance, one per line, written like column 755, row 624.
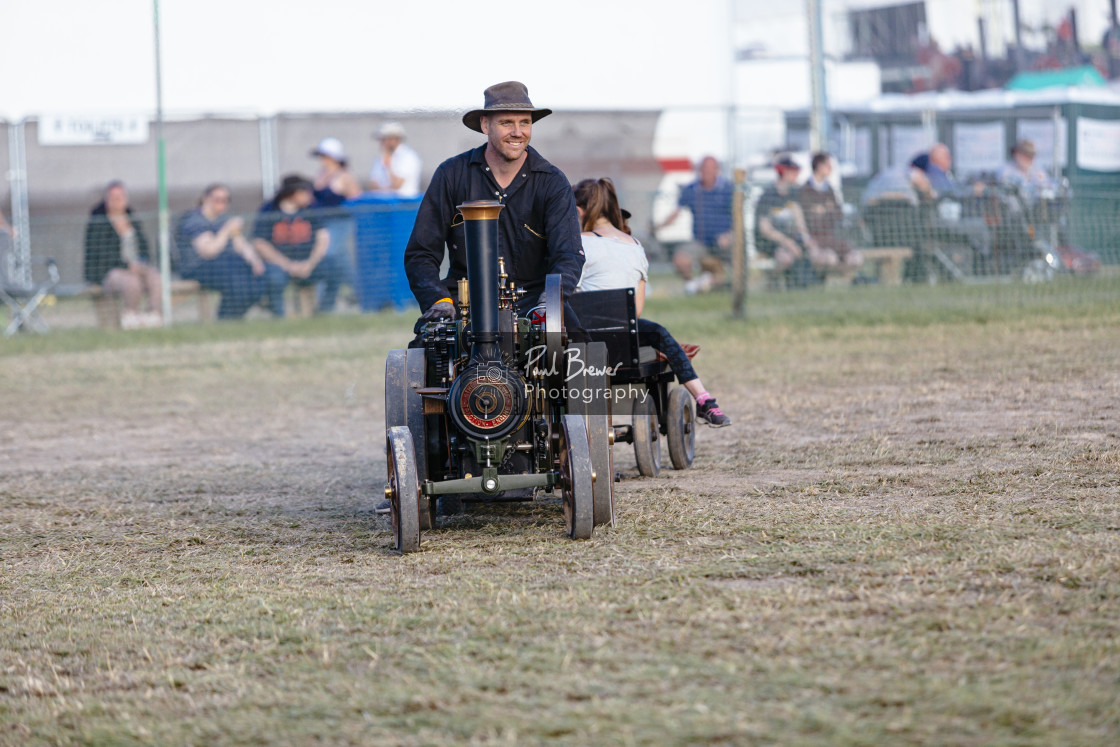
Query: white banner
column 978, row 148
column 1098, row 144
column 861, row 150
column 101, row 129
column 908, row 141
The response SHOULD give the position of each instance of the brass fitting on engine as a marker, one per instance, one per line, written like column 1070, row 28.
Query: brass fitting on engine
column 464, row 296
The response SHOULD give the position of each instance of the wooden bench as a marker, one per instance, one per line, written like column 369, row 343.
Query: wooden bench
column 889, row 261
column 108, row 305
column 761, row 273
column 303, row 302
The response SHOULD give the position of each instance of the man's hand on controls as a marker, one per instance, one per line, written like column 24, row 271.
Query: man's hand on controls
column 439, row 310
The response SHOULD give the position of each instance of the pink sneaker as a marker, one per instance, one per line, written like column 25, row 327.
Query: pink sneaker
column 710, row 412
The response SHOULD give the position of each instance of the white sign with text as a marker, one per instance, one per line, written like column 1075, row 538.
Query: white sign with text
column 1098, row 144
column 978, row 147
column 98, row 129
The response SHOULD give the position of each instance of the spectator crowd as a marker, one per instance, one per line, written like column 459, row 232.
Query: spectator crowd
column 806, row 231
column 302, row 236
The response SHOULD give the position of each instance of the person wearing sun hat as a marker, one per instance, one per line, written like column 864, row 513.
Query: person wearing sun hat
column 1021, row 173
column 538, row 229
column 334, row 185
column 398, row 167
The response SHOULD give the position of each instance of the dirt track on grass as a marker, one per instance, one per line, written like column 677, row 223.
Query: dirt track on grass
column 191, row 553
column 299, row 423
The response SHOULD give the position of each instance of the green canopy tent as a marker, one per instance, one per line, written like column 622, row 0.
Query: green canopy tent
column 1085, row 76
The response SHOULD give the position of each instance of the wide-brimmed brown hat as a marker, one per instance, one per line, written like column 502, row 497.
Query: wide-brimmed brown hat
column 510, row 96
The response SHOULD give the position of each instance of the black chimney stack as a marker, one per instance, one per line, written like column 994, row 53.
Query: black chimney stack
column 481, row 217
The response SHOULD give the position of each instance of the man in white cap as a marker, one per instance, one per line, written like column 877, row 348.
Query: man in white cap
column 538, row 230
column 334, row 185
column 397, row 170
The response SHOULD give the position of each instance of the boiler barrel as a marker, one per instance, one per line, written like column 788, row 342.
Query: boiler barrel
column 481, row 219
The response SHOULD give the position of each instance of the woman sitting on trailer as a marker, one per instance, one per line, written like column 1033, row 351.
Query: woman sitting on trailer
column 615, row 259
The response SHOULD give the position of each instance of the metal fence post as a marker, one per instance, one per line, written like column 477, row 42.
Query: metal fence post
column 739, row 248
column 164, row 213
column 266, row 127
column 17, row 179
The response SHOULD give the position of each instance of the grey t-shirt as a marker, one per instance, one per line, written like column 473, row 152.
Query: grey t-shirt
column 193, row 225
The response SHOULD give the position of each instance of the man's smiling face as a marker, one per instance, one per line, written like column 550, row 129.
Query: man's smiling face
column 508, row 134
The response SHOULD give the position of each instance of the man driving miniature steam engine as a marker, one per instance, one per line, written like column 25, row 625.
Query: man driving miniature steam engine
column 538, row 228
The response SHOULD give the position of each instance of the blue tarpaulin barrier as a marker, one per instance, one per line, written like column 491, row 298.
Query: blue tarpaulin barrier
column 382, row 225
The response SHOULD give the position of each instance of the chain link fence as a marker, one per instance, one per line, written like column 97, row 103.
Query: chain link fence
column 994, row 238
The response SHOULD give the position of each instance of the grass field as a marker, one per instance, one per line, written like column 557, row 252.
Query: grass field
column 910, row 535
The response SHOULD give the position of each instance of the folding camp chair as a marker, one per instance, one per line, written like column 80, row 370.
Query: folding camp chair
column 21, row 292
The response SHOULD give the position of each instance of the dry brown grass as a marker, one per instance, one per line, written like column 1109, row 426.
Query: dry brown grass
column 910, row 535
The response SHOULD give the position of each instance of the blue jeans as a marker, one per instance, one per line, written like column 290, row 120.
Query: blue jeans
column 658, row 338
column 231, row 276
column 330, row 271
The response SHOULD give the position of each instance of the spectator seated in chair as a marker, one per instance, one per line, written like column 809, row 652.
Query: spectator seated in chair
column 958, row 217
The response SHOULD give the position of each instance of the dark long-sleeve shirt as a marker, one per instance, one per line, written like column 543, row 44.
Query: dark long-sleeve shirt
column 103, row 245
column 538, row 230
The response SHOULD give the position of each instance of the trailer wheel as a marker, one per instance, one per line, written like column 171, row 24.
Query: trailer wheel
column 599, row 433
column 403, row 490
column 647, row 440
column 681, row 417
column 576, row 483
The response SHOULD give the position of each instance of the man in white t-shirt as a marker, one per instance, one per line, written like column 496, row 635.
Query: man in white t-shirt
column 397, row 171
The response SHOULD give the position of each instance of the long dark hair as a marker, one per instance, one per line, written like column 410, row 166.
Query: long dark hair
column 598, row 200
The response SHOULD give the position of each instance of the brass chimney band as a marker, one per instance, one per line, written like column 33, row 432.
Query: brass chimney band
column 481, row 210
